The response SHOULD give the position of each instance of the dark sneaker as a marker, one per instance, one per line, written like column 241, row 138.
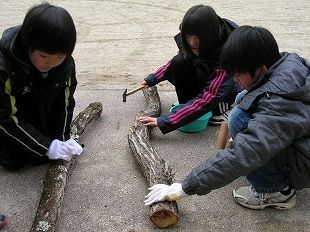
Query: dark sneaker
column 248, row 197
column 216, row 120
column 2, row 220
column 11, row 161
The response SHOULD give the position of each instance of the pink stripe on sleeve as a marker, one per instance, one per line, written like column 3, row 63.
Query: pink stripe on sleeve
column 208, row 96
column 160, row 72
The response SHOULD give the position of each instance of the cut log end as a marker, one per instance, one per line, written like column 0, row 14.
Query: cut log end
column 164, row 217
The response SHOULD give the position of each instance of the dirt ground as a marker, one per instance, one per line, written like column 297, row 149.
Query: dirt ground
column 121, row 42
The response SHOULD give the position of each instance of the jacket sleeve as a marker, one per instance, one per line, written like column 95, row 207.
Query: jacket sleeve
column 218, row 86
column 161, row 74
column 269, row 132
column 12, row 124
column 61, row 113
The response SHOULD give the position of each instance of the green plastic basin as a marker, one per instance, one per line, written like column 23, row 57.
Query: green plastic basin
column 198, row 125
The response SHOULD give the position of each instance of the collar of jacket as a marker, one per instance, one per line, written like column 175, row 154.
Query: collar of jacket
column 268, row 83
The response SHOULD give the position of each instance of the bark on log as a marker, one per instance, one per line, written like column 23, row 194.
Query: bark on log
column 154, row 168
column 57, row 175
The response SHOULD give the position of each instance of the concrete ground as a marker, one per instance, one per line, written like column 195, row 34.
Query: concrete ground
column 119, row 43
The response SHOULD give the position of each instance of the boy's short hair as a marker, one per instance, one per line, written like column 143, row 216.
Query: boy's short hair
column 247, row 49
column 49, row 29
column 201, row 21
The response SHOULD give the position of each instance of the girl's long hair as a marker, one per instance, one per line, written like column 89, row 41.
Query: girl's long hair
column 201, row 21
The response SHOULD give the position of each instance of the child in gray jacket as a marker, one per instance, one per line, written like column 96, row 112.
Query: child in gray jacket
column 270, row 127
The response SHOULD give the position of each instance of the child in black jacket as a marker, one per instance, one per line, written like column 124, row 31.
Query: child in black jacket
column 37, row 83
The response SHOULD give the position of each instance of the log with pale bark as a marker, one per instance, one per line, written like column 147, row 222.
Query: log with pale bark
column 57, row 175
column 155, row 169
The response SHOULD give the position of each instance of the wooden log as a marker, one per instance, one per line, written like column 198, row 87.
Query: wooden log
column 57, row 175
column 223, row 136
column 153, row 167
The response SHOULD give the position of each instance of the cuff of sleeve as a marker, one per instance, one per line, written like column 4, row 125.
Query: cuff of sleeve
column 187, row 188
column 162, row 126
column 149, row 80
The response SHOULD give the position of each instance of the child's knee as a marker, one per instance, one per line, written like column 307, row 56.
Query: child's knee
column 240, row 96
column 238, row 120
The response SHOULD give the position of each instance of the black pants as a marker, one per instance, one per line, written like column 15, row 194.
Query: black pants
column 188, row 85
column 184, row 79
column 13, row 157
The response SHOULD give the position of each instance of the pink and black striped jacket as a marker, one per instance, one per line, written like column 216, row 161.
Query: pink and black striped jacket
column 218, row 88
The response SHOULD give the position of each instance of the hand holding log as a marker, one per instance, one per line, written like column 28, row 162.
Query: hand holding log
column 162, row 192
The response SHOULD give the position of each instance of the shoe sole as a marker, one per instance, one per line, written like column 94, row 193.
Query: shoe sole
column 280, row 206
column 215, row 123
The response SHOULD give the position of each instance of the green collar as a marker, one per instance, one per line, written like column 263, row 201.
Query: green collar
column 44, row 74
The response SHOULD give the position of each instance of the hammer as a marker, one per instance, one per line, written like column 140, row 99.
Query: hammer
column 125, row 94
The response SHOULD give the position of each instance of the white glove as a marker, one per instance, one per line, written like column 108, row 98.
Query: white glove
column 63, row 150
column 162, row 192
column 77, row 146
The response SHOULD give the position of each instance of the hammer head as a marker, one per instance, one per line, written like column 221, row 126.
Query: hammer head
column 124, row 95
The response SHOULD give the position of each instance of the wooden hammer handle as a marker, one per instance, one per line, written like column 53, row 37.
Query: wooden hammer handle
column 135, row 90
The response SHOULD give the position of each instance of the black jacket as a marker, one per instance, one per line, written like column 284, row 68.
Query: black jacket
column 33, row 110
column 217, row 85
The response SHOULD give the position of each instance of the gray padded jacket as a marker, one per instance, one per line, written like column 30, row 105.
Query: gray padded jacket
column 280, row 105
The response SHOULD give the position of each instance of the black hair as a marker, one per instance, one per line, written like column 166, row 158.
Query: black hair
column 49, row 29
column 247, row 49
column 201, row 21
